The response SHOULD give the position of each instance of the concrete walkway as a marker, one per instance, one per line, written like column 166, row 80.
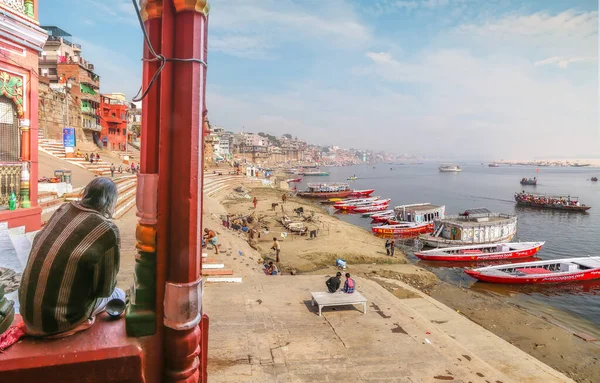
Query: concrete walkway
column 265, row 330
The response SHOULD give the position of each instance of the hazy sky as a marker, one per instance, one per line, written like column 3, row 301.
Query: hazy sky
column 456, row 78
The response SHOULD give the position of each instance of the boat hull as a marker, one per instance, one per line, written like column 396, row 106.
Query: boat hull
column 362, row 193
column 343, row 194
column 515, row 254
column 416, row 230
column 443, row 242
column 586, row 275
column 554, row 206
column 371, row 208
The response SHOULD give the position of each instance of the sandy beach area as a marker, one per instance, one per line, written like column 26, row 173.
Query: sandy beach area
column 365, row 254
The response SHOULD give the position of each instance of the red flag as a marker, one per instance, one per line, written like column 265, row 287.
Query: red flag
column 537, row 170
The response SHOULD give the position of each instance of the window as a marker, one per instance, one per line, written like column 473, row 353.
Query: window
column 52, row 71
column 9, row 131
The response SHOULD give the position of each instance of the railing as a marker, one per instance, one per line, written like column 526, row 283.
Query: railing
column 10, row 177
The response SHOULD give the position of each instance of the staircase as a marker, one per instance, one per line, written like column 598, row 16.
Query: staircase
column 219, row 187
column 55, row 148
column 126, row 187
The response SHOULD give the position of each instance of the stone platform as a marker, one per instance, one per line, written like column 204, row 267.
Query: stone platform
column 266, row 330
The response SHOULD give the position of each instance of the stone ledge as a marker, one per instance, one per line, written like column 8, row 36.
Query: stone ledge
column 101, row 354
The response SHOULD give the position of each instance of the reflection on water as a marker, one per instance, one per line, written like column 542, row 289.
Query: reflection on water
column 567, row 234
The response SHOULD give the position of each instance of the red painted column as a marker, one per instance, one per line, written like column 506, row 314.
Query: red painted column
column 184, row 32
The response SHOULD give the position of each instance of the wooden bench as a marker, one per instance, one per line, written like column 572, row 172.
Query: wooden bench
column 323, row 299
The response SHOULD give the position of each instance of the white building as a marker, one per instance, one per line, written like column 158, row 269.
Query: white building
column 252, row 139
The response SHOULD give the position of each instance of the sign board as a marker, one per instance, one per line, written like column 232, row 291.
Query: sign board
column 69, row 137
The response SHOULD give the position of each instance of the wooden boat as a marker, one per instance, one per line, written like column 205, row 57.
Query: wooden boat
column 580, row 165
column 449, row 168
column 356, row 200
column 377, row 213
column 365, row 209
column 353, row 206
column 514, row 250
column 326, row 190
column 376, row 202
column 403, row 228
column 383, row 218
column 594, row 179
column 473, row 227
column 313, row 174
column 353, row 178
column 294, row 180
column 493, row 165
column 559, row 202
column 529, row 181
column 362, row 193
column 551, row 271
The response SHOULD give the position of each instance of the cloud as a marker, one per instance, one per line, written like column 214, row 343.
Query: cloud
column 566, row 34
column 389, row 6
column 120, row 11
column 563, row 62
column 237, row 27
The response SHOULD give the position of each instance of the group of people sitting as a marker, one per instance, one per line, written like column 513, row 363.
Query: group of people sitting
column 547, row 200
column 333, row 284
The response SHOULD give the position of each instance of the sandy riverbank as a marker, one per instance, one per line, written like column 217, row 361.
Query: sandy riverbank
column 366, row 257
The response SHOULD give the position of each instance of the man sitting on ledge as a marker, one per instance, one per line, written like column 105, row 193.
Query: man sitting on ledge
column 73, row 264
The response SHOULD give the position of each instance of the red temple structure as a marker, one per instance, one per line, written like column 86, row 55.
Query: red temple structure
column 21, row 39
column 164, row 336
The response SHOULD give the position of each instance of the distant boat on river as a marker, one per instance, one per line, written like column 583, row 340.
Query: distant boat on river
column 450, row 168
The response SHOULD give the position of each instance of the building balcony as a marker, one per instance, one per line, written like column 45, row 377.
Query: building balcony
column 21, row 7
column 89, row 110
column 93, row 128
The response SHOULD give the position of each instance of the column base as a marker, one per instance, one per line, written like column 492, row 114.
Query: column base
column 139, row 321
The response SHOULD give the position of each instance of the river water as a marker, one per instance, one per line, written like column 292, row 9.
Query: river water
column 566, row 234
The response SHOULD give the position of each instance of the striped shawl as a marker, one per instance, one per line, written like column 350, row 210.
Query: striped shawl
column 74, row 261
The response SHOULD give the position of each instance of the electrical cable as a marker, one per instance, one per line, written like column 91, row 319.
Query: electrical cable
column 156, row 57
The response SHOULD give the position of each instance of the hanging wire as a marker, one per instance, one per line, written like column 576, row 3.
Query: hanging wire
column 156, row 57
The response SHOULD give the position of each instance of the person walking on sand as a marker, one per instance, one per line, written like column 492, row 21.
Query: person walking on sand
column 254, row 201
column 211, row 237
column 112, row 170
column 387, row 246
column 392, row 247
column 333, row 283
column 277, row 248
column 283, row 197
column 348, row 285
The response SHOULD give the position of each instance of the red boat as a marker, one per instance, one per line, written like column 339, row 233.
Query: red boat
column 355, row 206
column 404, row 228
column 515, row 250
column 383, row 217
column 566, row 203
column 369, row 208
column 533, row 273
column 295, row 180
column 362, row 193
column 356, row 201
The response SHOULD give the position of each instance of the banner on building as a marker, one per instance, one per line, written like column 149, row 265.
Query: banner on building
column 69, row 137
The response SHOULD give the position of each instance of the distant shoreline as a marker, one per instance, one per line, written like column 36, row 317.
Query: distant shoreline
column 592, row 163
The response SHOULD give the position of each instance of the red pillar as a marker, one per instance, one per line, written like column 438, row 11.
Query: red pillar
column 180, row 192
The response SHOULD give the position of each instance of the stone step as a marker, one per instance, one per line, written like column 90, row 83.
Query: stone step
column 46, row 196
column 212, row 266
column 224, row 280
column 217, row 272
column 51, row 206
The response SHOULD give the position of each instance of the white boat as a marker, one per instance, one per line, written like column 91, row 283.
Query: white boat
column 473, row 227
column 449, row 168
column 355, row 201
column 378, row 213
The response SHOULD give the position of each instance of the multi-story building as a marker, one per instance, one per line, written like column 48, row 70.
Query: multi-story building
column 21, row 39
column 251, row 139
column 61, row 62
column 114, row 119
column 134, row 121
